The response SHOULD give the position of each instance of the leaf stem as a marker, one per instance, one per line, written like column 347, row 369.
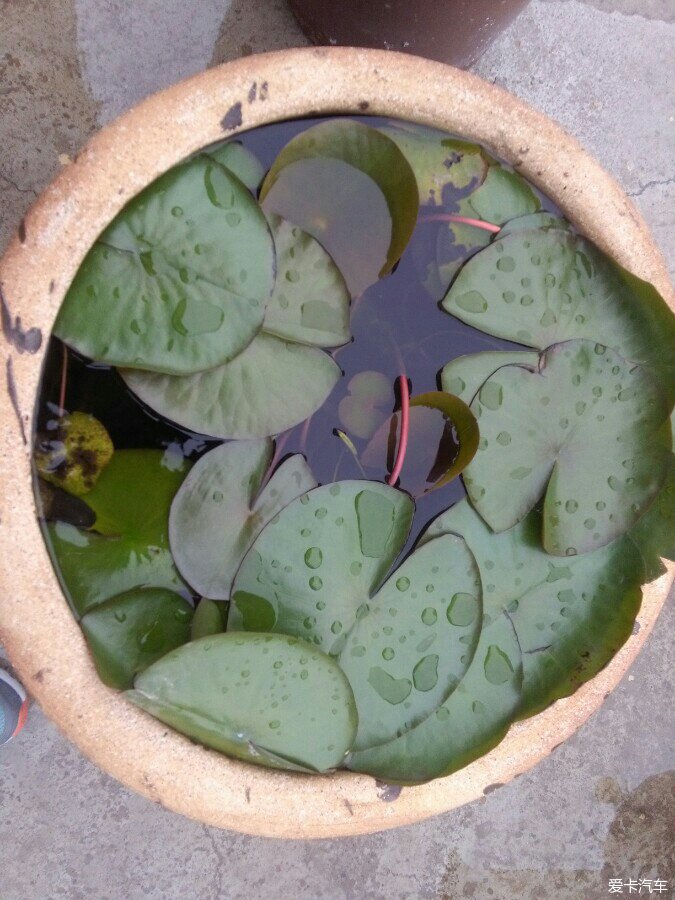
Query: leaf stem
column 64, row 381
column 405, row 427
column 463, row 220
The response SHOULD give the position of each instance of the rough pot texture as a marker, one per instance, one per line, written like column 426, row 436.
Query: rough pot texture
column 43, row 640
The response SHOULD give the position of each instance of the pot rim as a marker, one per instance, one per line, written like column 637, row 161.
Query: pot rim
column 42, row 638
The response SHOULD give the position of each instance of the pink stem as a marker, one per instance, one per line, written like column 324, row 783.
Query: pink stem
column 405, row 427
column 463, row 220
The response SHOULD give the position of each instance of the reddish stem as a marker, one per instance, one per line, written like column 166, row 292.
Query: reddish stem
column 463, row 220
column 405, row 427
column 64, row 379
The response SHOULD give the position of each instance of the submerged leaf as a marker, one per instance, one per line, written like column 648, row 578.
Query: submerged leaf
column 586, row 429
column 130, row 632
column 571, row 616
column 464, row 375
column 219, row 510
column 74, row 453
column 364, row 407
column 179, row 281
column 267, row 389
column 254, row 697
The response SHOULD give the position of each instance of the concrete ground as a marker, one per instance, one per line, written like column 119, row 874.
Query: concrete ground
column 602, row 806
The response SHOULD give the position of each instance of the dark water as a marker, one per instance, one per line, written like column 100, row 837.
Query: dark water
column 397, row 326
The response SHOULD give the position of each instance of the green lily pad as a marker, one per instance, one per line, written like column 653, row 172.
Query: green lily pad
column 655, row 531
column 254, row 697
column 552, row 286
column 543, row 221
column 267, row 389
column 179, row 281
column 129, row 547
column 587, row 429
column 240, row 161
column 74, row 454
column 365, row 406
column 310, row 301
column 438, row 161
column 209, row 618
column 472, row 721
column 413, row 641
column 315, row 564
column 571, row 616
column 130, row 632
column 464, row 375
column 220, row 510
column 369, row 152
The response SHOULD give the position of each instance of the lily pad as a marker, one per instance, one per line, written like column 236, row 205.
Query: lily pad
column 74, row 453
column 571, row 616
column 310, row 301
column 552, row 286
column 365, row 406
column 464, row 375
column 180, row 279
column 254, row 697
column 130, row 632
column 209, row 618
column 587, row 429
column 240, row 161
column 655, row 531
column 129, row 546
column 315, row 564
column 472, row 721
column 370, row 152
column 543, row 221
column 438, row 161
column 267, row 389
column 220, row 510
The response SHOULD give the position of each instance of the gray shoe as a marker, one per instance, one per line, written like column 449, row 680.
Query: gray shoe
column 13, row 707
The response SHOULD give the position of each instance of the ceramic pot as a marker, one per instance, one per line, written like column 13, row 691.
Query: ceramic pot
column 42, row 638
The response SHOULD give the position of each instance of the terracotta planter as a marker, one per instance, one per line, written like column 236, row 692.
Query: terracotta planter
column 43, row 640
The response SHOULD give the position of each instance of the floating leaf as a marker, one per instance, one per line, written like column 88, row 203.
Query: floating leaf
column 439, row 162
column 571, row 616
column 179, row 281
column 267, row 389
column 655, row 531
column 130, row 632
column 413, row 641
column 551, row 286
column 586, row 429
column 208, row 619
column 543, row 221
column 366, row 151
column 240, row 161
column 311, row 568
column 365, row 406
column 443, row 439
column 254, row 697
column 74, row 453
column 310, row 301
column 131, row 548
column 464, row 375
column 472, row 721
column 220, row 510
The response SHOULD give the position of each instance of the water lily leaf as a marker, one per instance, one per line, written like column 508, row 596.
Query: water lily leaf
column 310, row 301
column 209, row 618
column 370, row 152
column 365, row 406
column 413, row 641
column 74, row 453
column 438, row 161
column 586, row 429
column 654, row 533
column 240, row 161
column 315, row 564
column 571, row 616
column 267, row 389
column 180, row 279
column 254, row 697
column 130, row 632
column 472, row 721
column 551, row 286
column 443, row 439
column 543, row 221
column 129, row 547
column 464, row 375
column 220, row 510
